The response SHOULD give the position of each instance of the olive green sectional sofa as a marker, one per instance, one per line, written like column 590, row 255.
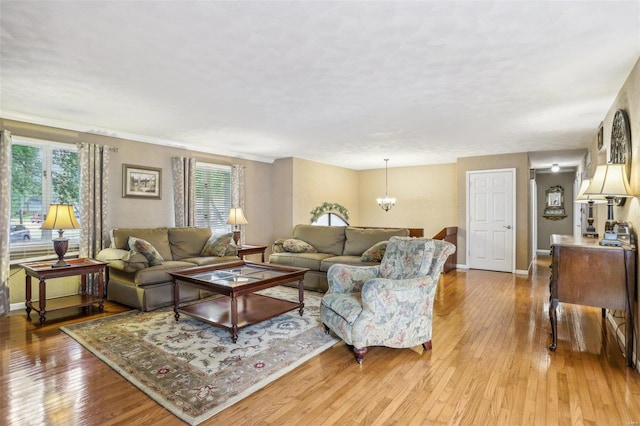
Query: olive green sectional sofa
column 331, row 245
column 134, row 280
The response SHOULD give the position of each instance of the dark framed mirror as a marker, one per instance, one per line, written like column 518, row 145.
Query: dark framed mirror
column 554, row 206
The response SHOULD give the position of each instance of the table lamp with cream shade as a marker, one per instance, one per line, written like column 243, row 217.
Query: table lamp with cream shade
column 610, row 181
column 583, row 198
column 60, row 217
column 236, row 218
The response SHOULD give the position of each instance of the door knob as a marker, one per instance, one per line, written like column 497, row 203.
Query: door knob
column 506, row 226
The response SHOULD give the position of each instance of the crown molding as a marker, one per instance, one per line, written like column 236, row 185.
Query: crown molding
column 85, row 128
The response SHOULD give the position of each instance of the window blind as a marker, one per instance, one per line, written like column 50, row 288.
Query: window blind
column 213, row 195
column 42, row 173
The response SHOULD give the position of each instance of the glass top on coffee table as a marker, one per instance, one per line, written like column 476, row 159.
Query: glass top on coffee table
column 238, row 275
column 237, row 282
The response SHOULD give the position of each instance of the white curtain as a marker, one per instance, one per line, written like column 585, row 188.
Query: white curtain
column 5, row 218
column 184, row 191
column 93, row 162
column 237, row 193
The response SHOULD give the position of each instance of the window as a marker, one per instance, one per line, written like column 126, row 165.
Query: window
column 330, row 219
column 213, row 196
column 42, row 173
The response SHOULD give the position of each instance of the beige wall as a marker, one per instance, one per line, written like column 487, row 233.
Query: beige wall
column 131, row 212
column 282, row 221
column 426, row 197
column 518, row 161
column 301, row 185
column 547, row 227
column 421, row 202
column 314, row 183
column 627, row 99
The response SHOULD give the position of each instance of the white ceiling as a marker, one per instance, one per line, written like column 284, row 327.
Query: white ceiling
column 343, row 83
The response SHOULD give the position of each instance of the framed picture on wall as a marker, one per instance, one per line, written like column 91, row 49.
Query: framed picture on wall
column 141, row 182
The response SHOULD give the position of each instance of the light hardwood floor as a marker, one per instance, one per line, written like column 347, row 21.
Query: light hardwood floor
column 489, row 366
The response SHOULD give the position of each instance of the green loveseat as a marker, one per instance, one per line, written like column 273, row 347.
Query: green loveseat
column 132, row 281
column 333, row 245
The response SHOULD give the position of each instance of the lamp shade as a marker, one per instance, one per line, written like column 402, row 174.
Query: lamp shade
column 584, row 198
column 610, row 180
column 60, row 216
column 236, row 217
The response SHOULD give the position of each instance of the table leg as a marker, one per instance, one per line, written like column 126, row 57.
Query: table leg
column 176, row 299
column 553, row 317
column 83, row 284
column 234, row 318
column 100, row 291
column 42, row 303
column 301, row 295
column 27, row 291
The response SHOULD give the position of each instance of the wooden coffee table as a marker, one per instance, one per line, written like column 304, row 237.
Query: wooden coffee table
column 237, row 282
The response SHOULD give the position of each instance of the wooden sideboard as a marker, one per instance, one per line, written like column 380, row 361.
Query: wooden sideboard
column 586, row 273
column 449, row 234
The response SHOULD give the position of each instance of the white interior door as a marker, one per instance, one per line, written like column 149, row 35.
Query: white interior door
column 491, row 219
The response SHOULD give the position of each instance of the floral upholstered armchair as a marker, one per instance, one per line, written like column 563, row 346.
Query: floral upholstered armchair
column 390, row 304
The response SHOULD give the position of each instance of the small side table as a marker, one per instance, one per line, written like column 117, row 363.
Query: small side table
column 247, row 249
column 43, row 270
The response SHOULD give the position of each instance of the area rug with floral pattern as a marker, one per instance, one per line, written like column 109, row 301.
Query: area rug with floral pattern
column 193, row 369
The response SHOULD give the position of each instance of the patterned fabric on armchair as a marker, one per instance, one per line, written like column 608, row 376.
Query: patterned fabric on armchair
column 388, row 305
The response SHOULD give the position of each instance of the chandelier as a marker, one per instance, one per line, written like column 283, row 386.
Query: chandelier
column 387, row 202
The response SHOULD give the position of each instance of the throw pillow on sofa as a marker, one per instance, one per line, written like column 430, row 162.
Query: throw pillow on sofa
column 278, row 246
column 145, row 248
column 375, row 253
column 293, row 245
column 221, row 245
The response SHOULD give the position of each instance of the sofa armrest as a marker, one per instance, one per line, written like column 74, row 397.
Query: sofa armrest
column 350, row 279
column 110, row 254
column 128, row 267
column 123, row 260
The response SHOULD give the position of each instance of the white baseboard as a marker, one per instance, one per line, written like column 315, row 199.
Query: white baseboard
column 517, row 271
column 623, row 339
column 17, row 306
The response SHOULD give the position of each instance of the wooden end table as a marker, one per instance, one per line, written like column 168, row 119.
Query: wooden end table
column 44, row 270
column 247, row 249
